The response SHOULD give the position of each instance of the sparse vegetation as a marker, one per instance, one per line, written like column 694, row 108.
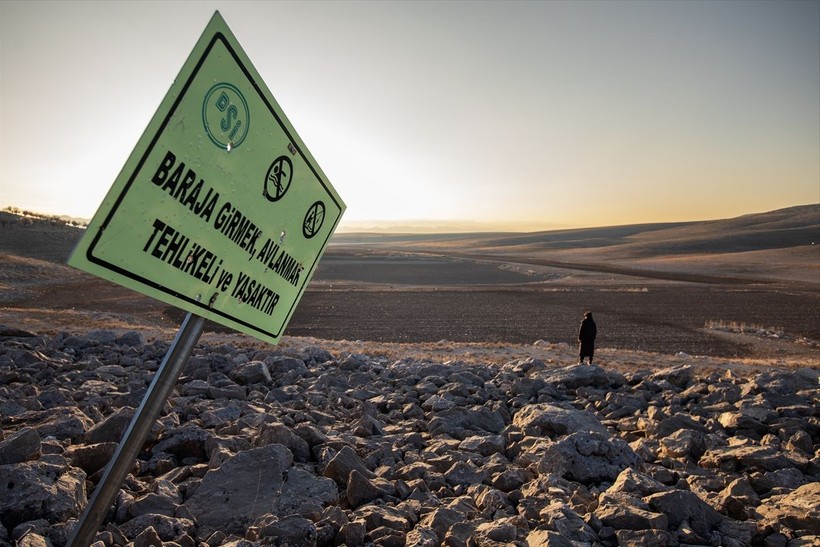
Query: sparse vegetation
column 746, row 328
column 759, row 331
column 54, row 219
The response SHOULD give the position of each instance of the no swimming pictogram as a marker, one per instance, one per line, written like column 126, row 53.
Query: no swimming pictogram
column 277, row 180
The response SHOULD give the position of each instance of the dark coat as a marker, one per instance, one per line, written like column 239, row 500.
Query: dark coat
column 587, row 332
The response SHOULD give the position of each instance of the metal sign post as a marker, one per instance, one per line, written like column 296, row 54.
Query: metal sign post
column 220, row 210
column 134, row 438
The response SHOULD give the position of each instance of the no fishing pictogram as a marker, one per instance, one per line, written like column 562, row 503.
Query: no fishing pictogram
column 313, row 219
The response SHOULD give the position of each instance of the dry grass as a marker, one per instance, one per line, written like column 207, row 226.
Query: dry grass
column 778, row 333
column 743, row 327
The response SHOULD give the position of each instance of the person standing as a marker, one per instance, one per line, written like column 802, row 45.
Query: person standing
column 586, row 336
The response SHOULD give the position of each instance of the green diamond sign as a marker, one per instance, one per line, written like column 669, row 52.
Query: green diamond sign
column 220, row 210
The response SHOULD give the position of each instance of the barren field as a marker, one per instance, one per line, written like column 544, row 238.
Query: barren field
column 467, row 301
column 476, row 290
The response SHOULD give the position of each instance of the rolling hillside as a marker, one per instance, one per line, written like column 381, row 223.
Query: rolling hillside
column 791, row 227
column 781, row 244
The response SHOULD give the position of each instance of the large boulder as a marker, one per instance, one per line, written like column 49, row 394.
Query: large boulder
column 24, row 445
column 187, row 441
column 588, row 457
column 797, row 510
column 461, row 422
column 575, row 376
column 64, row 423
column 253, row 372
column 678, row 376
column 284, row 530
column 167, row 528
column 41, row 490
column 112, row 428
column 242, row 488
column 622, row 511
column 343, row 463
column 277, row 433
column 733, row 459
column 685, row 507
column 636, row 484
column 90, row 457
column 551, row 420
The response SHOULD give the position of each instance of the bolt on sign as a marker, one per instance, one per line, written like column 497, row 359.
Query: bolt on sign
column 220, row 210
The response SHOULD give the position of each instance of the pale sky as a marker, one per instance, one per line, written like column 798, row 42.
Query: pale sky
column 489, row 115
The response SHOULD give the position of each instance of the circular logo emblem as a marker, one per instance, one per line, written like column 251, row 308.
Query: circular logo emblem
column 313, row 219
column 226, row 116
column 277, row 181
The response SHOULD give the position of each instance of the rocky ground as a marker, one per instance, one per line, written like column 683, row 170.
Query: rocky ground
column 312, row 444
column 437, row 422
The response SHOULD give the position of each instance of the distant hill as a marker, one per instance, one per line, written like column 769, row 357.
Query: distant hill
column 42, row 237
column 53, row 237
column 783, row 228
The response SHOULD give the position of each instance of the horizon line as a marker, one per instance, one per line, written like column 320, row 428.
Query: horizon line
column 430, row 227
column 440, row 226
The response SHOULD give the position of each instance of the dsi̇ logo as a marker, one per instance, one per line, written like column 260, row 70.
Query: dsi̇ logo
column 226, row 116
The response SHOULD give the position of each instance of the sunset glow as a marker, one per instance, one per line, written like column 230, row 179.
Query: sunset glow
column 446, row 116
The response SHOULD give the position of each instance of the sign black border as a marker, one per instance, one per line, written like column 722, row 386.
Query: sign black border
column 219, row 36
